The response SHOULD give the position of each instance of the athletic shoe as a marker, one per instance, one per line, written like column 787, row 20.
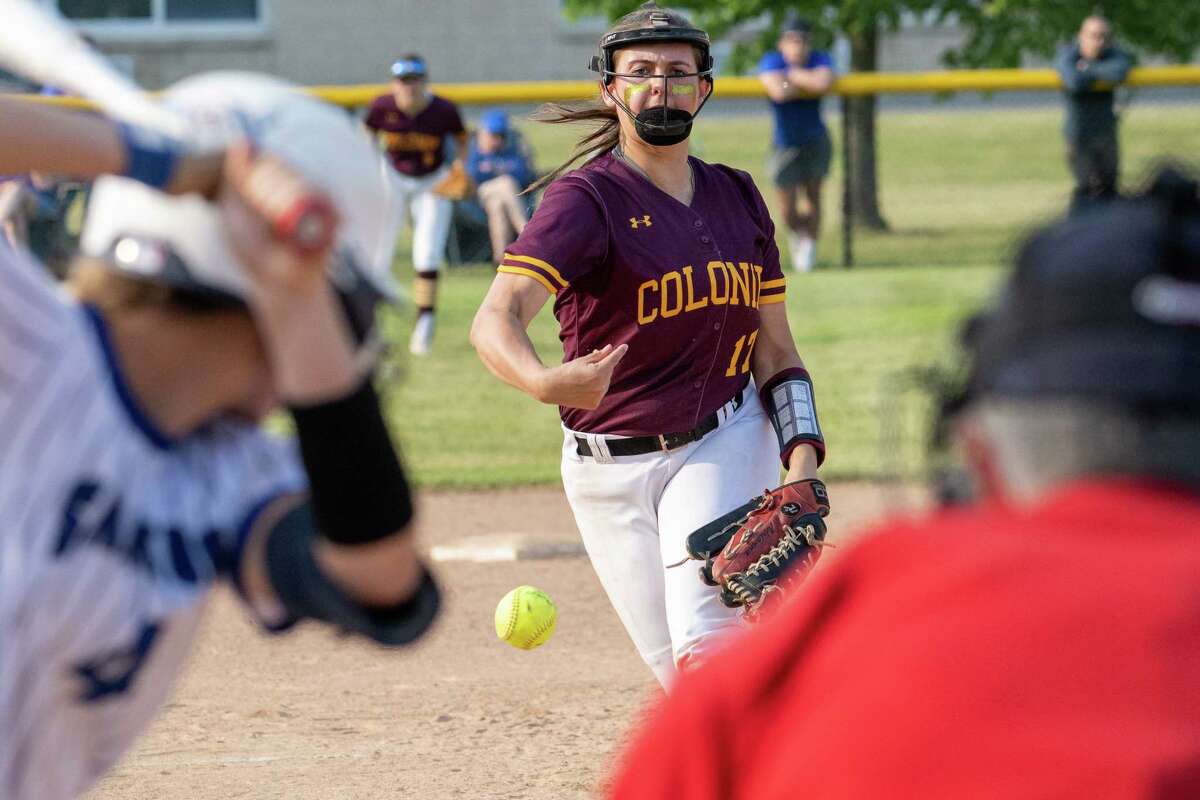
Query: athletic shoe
column 422, row 336
column 804, row 252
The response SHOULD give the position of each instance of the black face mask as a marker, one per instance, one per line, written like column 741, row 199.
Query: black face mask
column 663, row 126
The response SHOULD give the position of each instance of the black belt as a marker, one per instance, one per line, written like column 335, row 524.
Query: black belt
column 640, row 445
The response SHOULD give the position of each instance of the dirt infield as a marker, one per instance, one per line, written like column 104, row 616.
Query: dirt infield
column 311, row 715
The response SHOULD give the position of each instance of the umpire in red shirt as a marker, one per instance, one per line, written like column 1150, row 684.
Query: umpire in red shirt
column 1043, row 642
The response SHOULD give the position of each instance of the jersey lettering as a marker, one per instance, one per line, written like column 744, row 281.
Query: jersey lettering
column 674, row 293
column 737, row 351
column 717, row 275
column 112, row 673
column 414, row 144
column 410, row 140
column 692, row 304
column 92, row 516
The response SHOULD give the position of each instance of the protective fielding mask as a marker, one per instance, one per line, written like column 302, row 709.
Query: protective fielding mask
column 663, row 126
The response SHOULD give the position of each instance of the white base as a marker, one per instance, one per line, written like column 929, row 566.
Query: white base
column 505, row 547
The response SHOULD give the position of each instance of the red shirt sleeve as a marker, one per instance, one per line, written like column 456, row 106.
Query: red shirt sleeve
column 678, row 751
column 700, row 742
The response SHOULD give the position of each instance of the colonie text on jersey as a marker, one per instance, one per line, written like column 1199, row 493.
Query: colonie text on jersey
column 728, row 283
column 678, row 291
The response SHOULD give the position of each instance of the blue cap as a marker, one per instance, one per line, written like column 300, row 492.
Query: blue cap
column 494, row 121
column 409, row 67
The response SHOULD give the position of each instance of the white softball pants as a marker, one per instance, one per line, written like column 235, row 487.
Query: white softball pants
column 634, row 514
column 429, row 214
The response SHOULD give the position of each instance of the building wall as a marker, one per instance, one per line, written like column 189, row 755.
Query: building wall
column 917, row 48
column 355, row 41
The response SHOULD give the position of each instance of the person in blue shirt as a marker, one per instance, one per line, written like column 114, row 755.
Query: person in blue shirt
column 795, row 76
column 1090, row 126
column 499, row 164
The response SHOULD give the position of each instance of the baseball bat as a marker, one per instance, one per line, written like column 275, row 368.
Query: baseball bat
column 42, row 47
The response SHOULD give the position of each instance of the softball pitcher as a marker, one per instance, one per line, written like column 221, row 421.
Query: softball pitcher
column 411, row 125
column 669, row 295
column 133, row 474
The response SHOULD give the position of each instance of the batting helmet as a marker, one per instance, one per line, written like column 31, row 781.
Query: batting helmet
column 178, row 241
column 660, row 27
column 653, row 25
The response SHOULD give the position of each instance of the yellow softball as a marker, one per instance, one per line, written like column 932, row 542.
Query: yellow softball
column 526, row 617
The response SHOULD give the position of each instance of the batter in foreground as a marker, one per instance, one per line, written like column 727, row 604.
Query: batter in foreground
column 669, row 297
column 134, row 475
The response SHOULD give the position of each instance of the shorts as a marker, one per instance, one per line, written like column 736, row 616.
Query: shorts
column 789, row 166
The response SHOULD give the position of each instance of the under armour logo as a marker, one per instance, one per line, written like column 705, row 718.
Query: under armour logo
column 645, row 220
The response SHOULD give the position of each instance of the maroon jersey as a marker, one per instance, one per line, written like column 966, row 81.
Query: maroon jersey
column 680, row 285
column 416, row 145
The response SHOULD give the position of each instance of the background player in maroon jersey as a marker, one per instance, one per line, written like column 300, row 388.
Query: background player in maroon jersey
column 669, row 296
column 1040, row 644
column 412, row 125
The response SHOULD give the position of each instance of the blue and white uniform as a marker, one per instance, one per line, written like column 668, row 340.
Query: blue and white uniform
column 111, row 537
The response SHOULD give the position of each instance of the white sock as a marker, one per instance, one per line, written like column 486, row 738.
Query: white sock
column 804, row 251
column 422, row 335
column 811, row 255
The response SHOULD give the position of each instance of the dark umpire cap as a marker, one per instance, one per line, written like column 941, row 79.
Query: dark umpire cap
column 794, row 23
column 1104, row 305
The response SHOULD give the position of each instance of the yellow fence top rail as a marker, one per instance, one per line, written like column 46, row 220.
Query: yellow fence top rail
column 854, row 84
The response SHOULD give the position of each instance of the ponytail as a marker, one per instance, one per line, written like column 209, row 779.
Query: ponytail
column 601, row 140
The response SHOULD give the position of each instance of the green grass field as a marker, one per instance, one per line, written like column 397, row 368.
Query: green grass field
column 959, row 189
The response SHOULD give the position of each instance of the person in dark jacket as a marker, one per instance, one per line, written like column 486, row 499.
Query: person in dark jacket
column 1090, row 69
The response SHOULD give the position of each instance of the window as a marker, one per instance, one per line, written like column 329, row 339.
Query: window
column 152, row 15
column 105, row 9
column 193, row 10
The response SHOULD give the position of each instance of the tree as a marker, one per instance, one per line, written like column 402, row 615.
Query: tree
column 998, row 33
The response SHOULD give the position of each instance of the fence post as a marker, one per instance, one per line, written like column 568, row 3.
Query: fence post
column 847, row 194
